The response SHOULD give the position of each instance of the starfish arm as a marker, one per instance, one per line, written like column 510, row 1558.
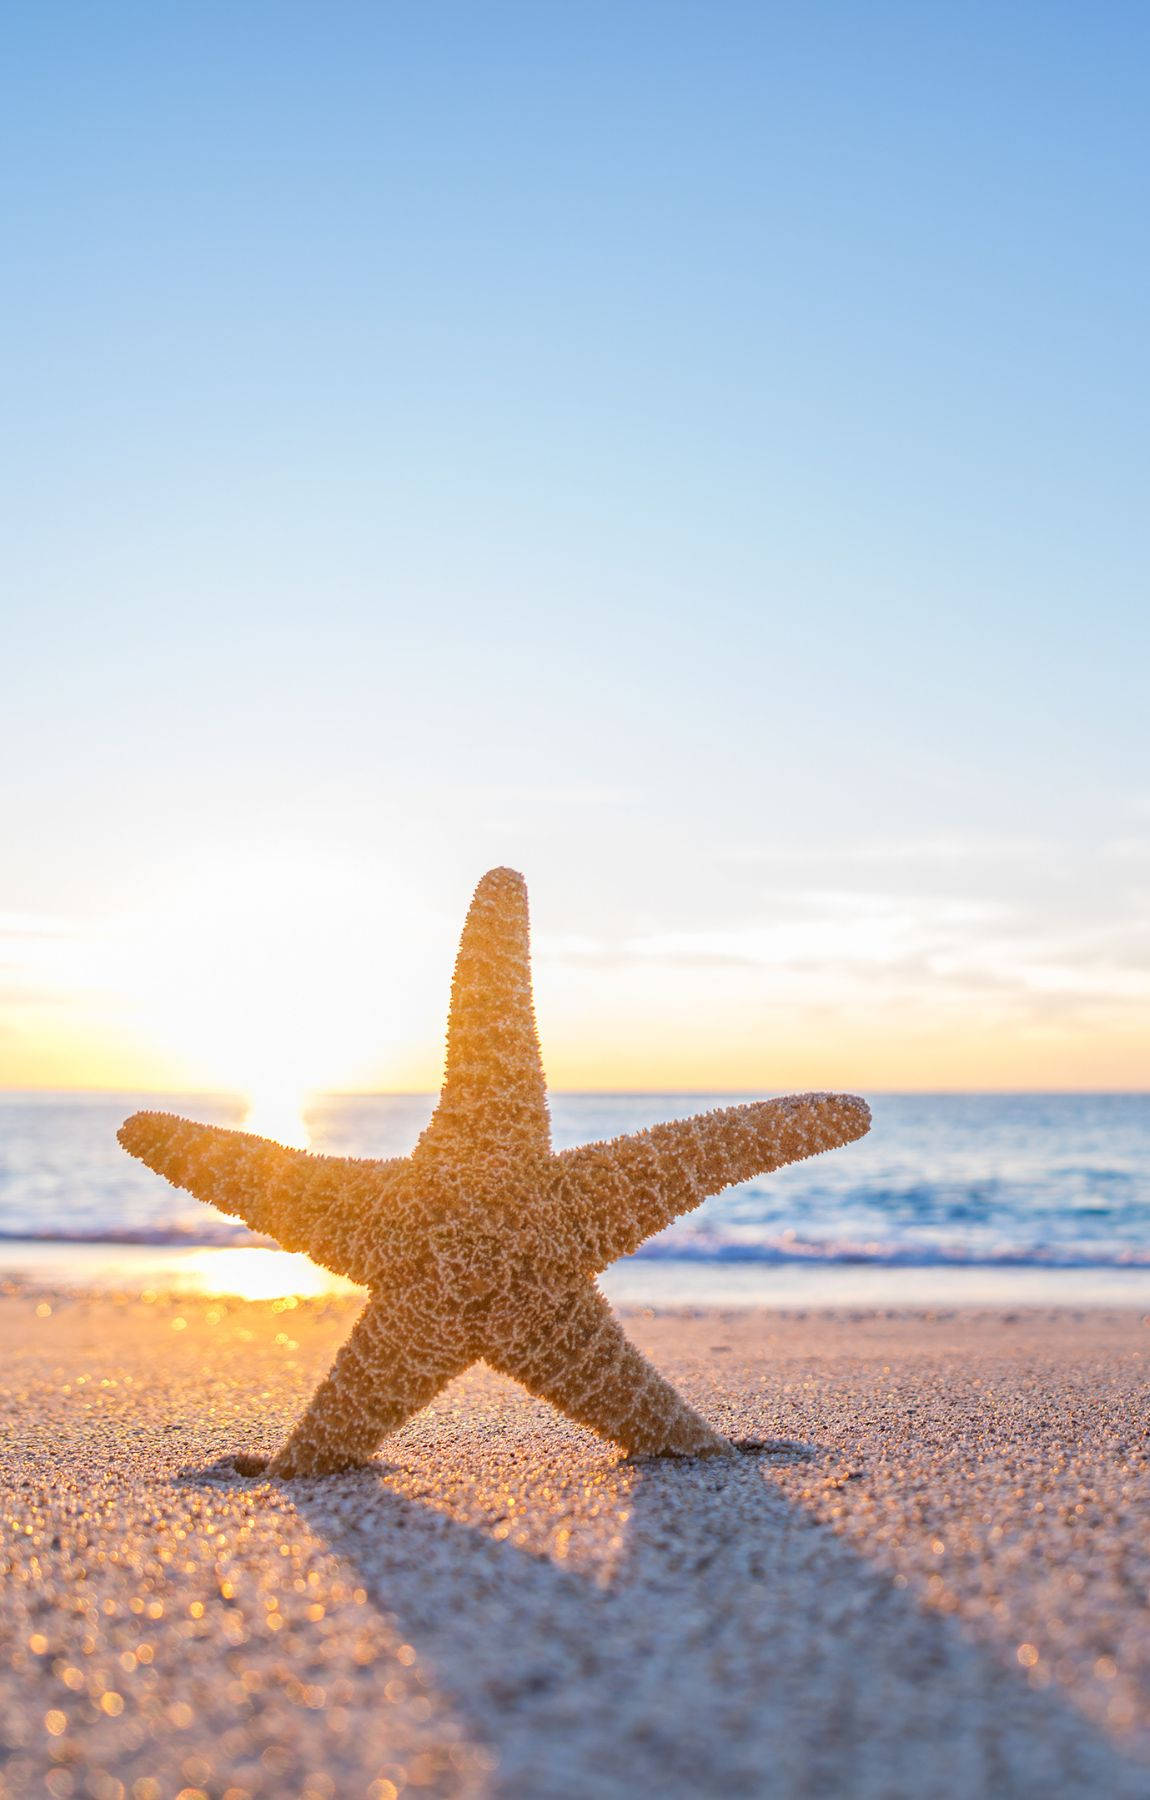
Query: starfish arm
column 494, row 1094
column 393, row 1363
column 318, row 1204
column 584, row 1363
column 615, row 1195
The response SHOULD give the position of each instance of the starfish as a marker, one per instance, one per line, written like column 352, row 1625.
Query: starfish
column 483, row 1243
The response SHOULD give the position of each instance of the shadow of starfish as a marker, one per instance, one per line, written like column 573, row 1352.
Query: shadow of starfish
column 694, row 1632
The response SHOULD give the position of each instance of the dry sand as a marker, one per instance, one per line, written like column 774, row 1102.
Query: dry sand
column 940, row 1588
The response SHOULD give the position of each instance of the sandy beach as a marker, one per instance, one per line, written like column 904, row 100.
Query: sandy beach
column 931, row 1580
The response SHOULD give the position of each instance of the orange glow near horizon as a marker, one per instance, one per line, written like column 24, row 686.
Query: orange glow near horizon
column 917, row 1061
column 282, row 975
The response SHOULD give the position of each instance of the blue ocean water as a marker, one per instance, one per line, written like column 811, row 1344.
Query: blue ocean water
column 945, row 1180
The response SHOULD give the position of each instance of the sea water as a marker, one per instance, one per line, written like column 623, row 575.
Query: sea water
column 996, row 1185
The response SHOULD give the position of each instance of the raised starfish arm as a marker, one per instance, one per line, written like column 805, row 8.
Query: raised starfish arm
column 616, row 1194
column 393, row 1363
column 494, row 1097
column 584, row 1363
column 310, row 1203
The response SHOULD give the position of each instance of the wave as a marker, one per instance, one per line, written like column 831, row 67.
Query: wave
column 905, row 1255
column 773, row 1253
column 156, row 1237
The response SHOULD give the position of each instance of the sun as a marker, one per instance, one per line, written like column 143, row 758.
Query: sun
column 278, row 975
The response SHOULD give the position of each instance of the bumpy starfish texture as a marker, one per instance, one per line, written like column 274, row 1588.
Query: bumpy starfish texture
column 482, row 1242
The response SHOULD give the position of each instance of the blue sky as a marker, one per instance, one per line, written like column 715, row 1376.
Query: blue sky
column 696, row 454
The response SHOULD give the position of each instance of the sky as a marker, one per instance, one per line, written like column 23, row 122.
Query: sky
column 695, row 454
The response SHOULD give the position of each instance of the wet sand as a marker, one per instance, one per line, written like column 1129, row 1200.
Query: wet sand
column 932, row 1580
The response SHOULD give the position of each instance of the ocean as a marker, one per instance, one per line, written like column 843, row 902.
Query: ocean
column 988, row 1184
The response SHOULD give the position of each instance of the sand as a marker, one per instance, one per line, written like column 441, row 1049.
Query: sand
column 934, row 1581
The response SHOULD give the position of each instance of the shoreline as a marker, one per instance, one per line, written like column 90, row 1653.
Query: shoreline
column 645, row 1282
column 930, row 1580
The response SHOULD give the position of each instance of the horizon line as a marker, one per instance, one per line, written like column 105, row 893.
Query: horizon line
column 623, row 1092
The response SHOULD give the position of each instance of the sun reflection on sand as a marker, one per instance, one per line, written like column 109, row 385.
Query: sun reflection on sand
column 256, row 1274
